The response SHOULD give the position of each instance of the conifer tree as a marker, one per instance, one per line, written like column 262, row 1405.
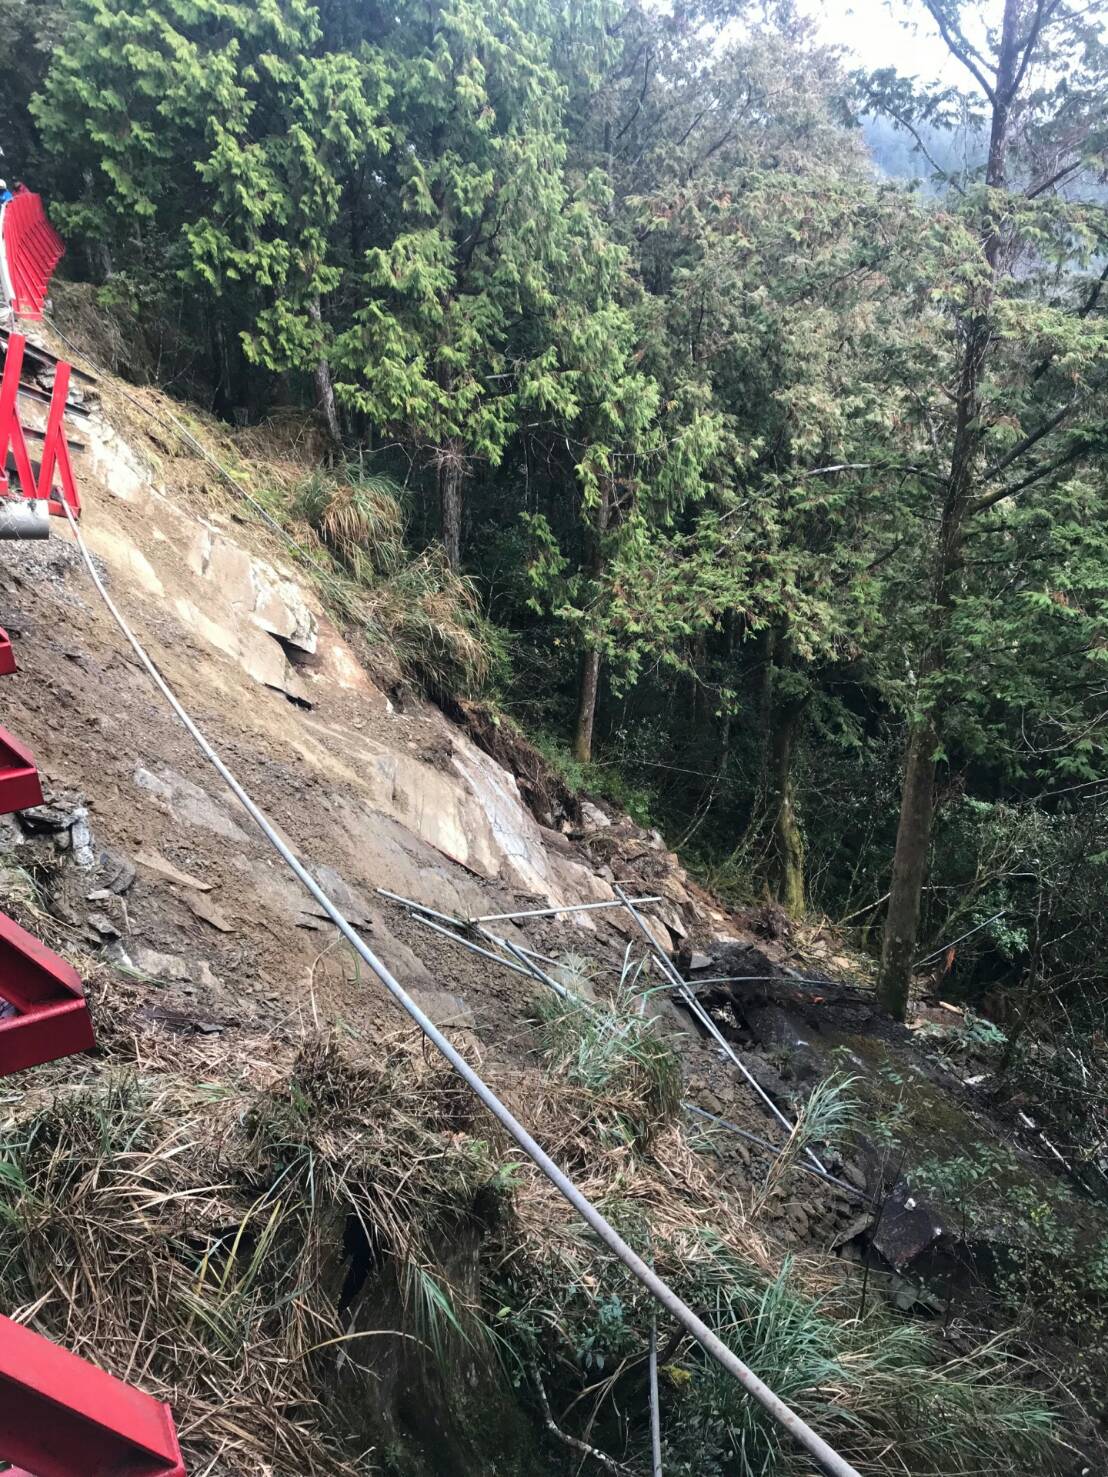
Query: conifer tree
column 1019, row 413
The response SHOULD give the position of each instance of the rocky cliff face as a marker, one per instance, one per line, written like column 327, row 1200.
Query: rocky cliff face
column 373, row 792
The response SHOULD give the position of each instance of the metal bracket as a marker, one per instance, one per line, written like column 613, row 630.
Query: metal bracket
column 62, row 1417
column 52, row 1017
column 20, row 786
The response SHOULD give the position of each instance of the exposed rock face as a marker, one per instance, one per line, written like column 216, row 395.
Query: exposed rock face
column 369, row 797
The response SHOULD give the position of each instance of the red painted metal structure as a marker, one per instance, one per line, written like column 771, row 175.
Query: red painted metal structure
column 31, row 249
column 63, row 1417
column 52, row 1018
column 20, row 787
column 55, row 449
column 59, row 1416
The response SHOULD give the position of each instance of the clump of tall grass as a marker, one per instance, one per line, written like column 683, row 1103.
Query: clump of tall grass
column 192, row 1231
column 432, row 616
column 828, row 1117
column 428, row 614
column 358, row 516
column 617, row 1056
column 880, row 1390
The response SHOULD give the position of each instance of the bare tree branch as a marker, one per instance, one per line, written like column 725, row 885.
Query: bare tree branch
column 1058, row 175
column 607, row 1462
column 1044, row 9
column 1029, row 441
column 907, row 124
column 1045, row 470
column 960, row 48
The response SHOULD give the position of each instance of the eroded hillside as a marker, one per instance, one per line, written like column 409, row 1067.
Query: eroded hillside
column 265, row 1197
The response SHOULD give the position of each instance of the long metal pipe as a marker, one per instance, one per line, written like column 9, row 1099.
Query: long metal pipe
column 470, row 945
column 549, row 912
column 712, row 1344
column 655, row 1407
column 525, row 967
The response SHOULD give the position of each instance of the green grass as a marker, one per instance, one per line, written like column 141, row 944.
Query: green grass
column 613, row 1051
column 411, row 602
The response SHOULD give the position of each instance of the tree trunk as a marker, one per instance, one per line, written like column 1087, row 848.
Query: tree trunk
column 324, row 388
column 586, row 704
column 788, row 846
column 590, row 657
column 913, row 839
column 913, row 835
column 450, row 502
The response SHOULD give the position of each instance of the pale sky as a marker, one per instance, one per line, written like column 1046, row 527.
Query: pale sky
column 891, row 33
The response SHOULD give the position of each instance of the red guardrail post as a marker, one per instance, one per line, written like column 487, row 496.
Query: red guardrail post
column 52, row 1017
column 11, row 432
column 62, row 1417
column 55, row 451
column 32, row 249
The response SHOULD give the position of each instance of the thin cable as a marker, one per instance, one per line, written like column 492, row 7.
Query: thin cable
column 959, row 940
column 525, row 966
column 798, row 1428
column 700, row 1014
column 753, row 1138
column 655, row 1408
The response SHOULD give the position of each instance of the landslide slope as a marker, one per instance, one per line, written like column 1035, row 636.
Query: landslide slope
column 261, row 1196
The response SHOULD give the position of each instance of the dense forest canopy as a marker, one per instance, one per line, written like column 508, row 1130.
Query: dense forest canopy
column 759, row 402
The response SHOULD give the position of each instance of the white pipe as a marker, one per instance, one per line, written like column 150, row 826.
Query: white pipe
column 24, row 518
column 570, row 908
column 655, row 1408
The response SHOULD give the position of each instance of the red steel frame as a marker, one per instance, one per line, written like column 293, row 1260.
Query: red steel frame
column 32, row 249
column 20, row 787
column 55, row 451
column 62, row 1417
column 59, row 1416
column 53, row 1019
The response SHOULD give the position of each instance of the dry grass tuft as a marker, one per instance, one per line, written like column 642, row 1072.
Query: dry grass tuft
column 186, row 1231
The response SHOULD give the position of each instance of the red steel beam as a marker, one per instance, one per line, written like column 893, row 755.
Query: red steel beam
column 7, row 655
column 32, row 249
column 55, row 451
column 11, row 432
column 13, row 441
column 63, row 1417
column 20, row 787
column 51, row 1017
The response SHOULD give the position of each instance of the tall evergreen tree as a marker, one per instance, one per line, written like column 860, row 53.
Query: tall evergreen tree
column 1022, row 409
column 209, row 140
column 455, row 289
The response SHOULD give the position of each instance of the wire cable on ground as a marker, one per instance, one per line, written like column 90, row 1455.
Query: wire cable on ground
column 798, row 1428
column 701, row 1015
column 522, row 962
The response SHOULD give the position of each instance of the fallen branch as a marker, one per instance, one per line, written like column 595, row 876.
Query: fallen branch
column 607, row 1462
